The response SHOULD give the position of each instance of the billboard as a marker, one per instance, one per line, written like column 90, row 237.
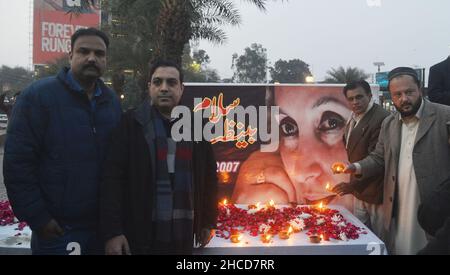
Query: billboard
column 54, row 23
column 382, row 79
column 285, row 156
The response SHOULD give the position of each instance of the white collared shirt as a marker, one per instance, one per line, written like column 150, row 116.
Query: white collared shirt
column 409, row 235
column 357, row 119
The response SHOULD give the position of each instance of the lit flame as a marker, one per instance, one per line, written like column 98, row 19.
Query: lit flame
column 257, row 205
column 224, row 177
column 338, row 167
column 271, row 203
column 320, row 205
column 321, row 237
column 236, row 238
column 224, row 202
column 290, row 230
column 265, row 238
column 328, row 186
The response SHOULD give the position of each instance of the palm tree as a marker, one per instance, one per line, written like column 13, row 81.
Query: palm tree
column 342, row 75
column 146, row 30
column 176, row 22
column 180, row 21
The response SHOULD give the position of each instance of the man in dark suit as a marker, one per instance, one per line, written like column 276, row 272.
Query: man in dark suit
column 434, row 217
column 439, row 83
column 360, row 138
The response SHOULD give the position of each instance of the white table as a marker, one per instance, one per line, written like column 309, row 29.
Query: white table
column 15, row 245
column 299, row 244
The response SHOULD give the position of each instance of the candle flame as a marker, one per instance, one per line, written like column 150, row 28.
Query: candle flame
column 265, row 238
column 236, row 238
column 271, row 203
column 321, row 205
column 321, row 236
column 338, row 167
column 257, row 205
column 328, row 186
column 224, row 202
column 290, row 230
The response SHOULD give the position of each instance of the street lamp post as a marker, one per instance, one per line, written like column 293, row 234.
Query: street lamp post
column 378, row 64
column 267, row 71
column 309, row 79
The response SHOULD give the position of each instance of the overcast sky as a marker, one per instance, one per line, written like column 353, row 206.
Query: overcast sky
column 323, row 33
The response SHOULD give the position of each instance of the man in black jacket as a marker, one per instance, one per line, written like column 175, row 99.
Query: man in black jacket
column 439, row 83
column 157, row 194
column 434, row 217
column 55, row 144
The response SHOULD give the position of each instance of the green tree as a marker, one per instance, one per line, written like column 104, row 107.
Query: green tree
column 51, row 69
column 251, row 66
column 143, row 30
column 195, row 66
column 175, row 22
column 342, row 75
column 181, row 21
column 292, row 71
column 131, row 27
column 14, row 79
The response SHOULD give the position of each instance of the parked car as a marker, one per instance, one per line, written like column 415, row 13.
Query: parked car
column 3, row 121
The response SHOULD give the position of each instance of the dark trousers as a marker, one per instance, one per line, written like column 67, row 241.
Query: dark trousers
column 73, row 242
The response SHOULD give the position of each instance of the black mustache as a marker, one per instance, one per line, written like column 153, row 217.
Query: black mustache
column 91, row 66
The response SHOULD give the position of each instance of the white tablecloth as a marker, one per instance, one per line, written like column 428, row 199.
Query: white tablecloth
column 299, row 244
column 11, row 244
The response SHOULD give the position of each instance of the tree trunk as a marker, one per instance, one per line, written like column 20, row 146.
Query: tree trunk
column 173, row 30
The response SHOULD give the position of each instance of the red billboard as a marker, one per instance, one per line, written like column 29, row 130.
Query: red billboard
column 54, row 23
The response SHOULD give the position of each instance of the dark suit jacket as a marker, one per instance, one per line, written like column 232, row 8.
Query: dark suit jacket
column 440, row 245
column 363, row 139
column 434, row 217
column 435, row 209
column 439, row 83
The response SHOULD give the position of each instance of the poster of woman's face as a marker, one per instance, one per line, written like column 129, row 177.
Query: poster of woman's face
column 310, row 123
column 311, row 126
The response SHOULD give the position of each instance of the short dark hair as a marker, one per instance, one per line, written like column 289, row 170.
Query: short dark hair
column 164, row 63
column 358, row 84
column 401, row 71
column 89, row 32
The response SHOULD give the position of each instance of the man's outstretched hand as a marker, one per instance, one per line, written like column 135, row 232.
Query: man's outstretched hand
column 51, row 230
column 342, row 189
column 350, row 169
